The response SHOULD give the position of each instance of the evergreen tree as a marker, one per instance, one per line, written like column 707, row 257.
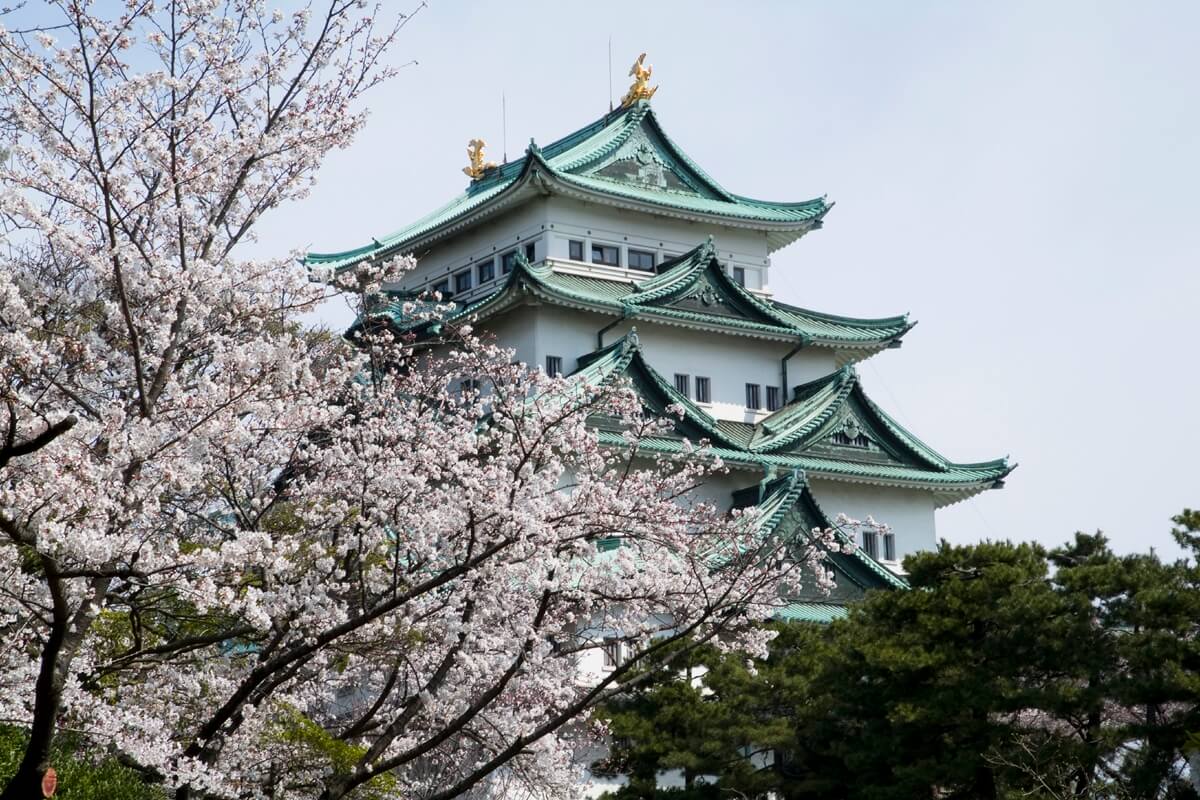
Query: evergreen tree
column 1005, row 672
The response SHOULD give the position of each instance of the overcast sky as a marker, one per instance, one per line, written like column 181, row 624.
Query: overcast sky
column 1021, row 177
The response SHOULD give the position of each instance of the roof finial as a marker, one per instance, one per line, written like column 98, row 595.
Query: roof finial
column 477, row 166
column 640, row 89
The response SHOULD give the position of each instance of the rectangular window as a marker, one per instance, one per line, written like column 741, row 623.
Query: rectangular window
column 739, row 276
column 641, row 259
column 870, row 543
column 486, row 270
column 575, row 250
column 529, row 251
column 889, row 547
column 682, row 384
column 612, row 653
column 468, row 385
column 753, row 395
column 703, row 390
column 508, row 261
column 772, row 398
column 554, row 366
column 442, row 287
column 606, row 254
column 462, row 281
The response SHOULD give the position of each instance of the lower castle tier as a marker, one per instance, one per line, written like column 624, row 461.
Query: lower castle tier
column 583, row 258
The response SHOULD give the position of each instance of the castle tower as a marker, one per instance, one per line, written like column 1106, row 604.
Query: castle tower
column 564, row 252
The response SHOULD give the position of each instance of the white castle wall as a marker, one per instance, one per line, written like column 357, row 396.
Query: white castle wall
column 551, row 222
column 729, row 362
column 909, row 512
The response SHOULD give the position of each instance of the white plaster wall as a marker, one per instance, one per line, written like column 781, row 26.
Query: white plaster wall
column 550, row 222
column 729, row 362
column 497, row 235
column 909, row 512
column 666, row 236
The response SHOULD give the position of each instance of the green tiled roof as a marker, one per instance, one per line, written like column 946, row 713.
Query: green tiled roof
column 576, row 165
column 788, row 503
column 691, row 289
column 798, row 436
column 822, row 613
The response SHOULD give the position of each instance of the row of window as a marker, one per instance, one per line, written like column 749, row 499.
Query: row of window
column 483, row 272
column 871, row 542
column 610, row 255
column 683, row 385
column 754, row 396
column 703, row 386
column 643, row 260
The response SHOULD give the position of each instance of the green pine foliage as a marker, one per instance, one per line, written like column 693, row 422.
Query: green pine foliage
column 82, row 773
column 1008, row 671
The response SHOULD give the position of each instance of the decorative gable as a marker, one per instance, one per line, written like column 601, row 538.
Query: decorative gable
column 644, row 160
column 707, row 296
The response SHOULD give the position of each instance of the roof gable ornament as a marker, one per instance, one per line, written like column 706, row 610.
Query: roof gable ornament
column 478, row 166
column 640, row 88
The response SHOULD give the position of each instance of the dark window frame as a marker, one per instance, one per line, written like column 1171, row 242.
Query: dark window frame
column 466, row 276
column 753, row 396
column 575, row 249
column 554, row 366
column 508, row 261
column 703, row 395
column 604, row 249
column 530, row 250
column 774, row 398
column 490, row 267
column 683, row 384
column 739, row 276
column 634, row 254
column 443, row 287
column 870, row 543
column 613, row 655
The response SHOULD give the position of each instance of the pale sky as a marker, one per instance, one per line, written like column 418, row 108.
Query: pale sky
column 1022, row 177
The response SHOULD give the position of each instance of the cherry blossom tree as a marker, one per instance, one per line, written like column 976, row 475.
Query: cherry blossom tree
column 250, row 559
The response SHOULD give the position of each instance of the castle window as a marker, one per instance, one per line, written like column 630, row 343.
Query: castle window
column 703, row 392
column 462, row 281
column 772, row 398
column 554, row 366
column 529, row 251
column 575, row 250
column 641, row 259
column 739, row 276
column 486, row 270
column 508, row 261
column 442, row 287
column 889, row 547
column 468, row 385
column 613, row 657
column 870, row 543
column 682, row 384
column 606, row 254
column 753, row 396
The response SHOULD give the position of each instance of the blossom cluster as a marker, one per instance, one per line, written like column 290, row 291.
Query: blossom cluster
column 251, row 558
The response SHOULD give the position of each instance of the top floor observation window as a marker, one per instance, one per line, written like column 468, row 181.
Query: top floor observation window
column 641, row 259
column 575, row 250
column 508, row 261
column 606, row 254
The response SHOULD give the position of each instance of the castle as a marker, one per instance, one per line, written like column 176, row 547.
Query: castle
column 611, row 253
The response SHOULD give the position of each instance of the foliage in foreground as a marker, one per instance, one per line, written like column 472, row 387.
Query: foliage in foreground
column 80, row 776
column 1007, row 672
column 257, row 562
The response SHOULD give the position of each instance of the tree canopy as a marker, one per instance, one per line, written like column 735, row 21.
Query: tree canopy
column 1006, row 671
column 246, row 559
